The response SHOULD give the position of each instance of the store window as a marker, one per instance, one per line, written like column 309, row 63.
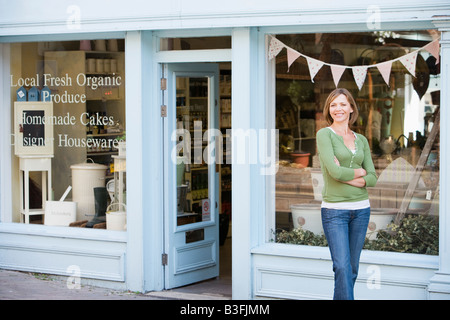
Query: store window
column 68, row 133
column 398, row 109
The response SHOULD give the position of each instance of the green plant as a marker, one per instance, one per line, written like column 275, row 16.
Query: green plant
column 415, row 234
column 122, row 137
column 301, row 236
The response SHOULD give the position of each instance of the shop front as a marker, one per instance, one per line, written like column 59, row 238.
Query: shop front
column 133, row 146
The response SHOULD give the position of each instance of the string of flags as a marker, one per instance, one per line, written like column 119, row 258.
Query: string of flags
column 359, row 72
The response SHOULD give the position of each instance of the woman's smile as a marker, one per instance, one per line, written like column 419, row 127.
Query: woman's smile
column 340, row 108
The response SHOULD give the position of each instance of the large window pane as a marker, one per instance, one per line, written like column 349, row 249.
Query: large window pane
column 397, row 120
column 68, row 133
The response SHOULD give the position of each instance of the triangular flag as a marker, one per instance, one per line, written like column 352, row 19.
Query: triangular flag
column 337, row 71
column 409, row 61
column 292, row 55
column 385, row 70
column 359, row 73
column 314, row 66
column 433, row 48
column 275, row 46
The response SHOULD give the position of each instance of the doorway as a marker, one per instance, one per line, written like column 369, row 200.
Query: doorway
column 197, row 206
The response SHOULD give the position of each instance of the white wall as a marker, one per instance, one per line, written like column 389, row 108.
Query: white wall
column 53, row 17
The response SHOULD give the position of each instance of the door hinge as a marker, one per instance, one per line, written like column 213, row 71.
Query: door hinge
column 164, row 259
column 163, row 83
column 163, row 111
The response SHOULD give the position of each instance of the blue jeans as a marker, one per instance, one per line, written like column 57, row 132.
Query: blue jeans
column 345, row 231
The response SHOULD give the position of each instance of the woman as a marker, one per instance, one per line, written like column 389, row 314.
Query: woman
column 347, row 170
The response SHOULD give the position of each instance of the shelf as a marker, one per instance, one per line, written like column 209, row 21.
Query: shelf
column 102, row 52
column 99, row 135
column 106, row 153
column 199, row 168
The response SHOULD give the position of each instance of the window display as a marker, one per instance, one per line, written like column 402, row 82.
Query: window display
column 68, row 109
column 394, row 77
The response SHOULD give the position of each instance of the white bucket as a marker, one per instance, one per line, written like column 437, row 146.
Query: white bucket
column 116, row 220
column 380, row 218
column 86, row 177
column 307, row 216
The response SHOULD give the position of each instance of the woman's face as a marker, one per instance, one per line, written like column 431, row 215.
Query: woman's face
column 340, row 109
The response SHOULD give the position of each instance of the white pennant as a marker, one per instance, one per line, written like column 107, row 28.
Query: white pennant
column 359, row 73
column 275, row 47
column 409, row 61
column 314, row 66
column 385, row 70
column 433, row 48
column 337, row 71
column 292, row 55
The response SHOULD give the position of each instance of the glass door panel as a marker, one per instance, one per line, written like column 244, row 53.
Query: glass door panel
column 192, row 170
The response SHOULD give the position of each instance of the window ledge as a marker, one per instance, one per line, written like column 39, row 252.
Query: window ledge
column 64, row 232
column 367, row 256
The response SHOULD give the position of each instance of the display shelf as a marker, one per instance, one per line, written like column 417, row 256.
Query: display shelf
column 106, row 102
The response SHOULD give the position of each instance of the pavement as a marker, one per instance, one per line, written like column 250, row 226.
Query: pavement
column 16, row 285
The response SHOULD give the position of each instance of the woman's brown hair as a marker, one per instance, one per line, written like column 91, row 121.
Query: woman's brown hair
column 333, row 95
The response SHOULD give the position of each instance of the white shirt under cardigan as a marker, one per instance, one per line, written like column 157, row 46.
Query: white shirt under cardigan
column 356, row 205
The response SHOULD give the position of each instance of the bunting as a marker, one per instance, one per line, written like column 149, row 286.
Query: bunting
column 359, row 72
column 337, row 71
column 292, row 55
column 314, row 66
column 409, row 61
column 275, row 47
column 385, row 70
column 433, row 48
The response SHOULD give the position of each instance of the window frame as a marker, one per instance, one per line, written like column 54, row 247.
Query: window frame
column 7, row 151
column 267, row 244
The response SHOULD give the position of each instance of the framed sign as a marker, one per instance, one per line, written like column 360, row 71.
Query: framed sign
column 33, row 128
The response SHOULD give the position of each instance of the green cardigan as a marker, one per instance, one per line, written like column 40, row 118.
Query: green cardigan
column 329, row 145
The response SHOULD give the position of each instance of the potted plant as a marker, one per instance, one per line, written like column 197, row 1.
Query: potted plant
column 297, row 94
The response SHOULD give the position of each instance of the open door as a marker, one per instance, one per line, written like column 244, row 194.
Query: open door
column 191, row 187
